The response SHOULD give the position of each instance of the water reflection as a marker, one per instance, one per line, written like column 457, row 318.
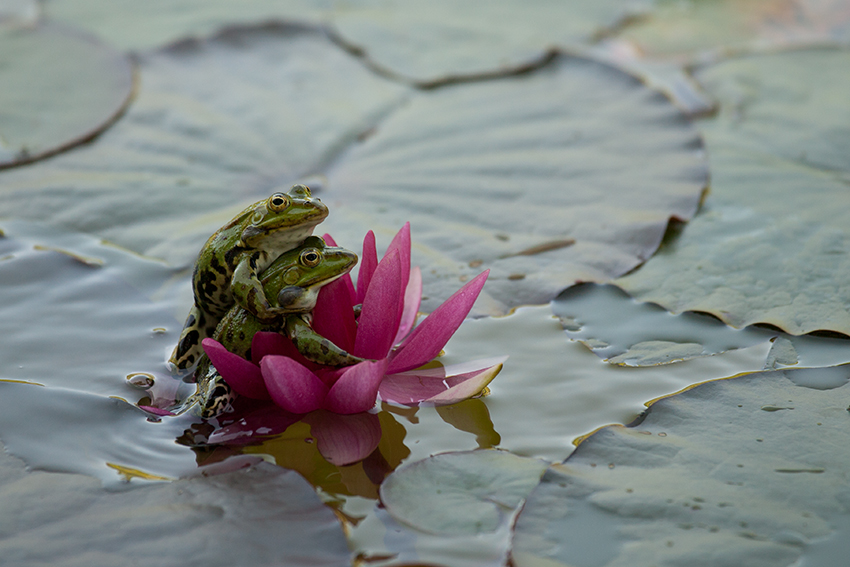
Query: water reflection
column 343, row 455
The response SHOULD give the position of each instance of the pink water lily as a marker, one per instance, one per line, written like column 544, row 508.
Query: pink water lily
column 385, row 334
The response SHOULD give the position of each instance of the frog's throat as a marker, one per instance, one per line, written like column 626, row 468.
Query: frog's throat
column 307, row 300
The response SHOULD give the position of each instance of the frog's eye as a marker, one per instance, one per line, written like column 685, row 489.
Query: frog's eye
column 311, row 257
column 278, row 202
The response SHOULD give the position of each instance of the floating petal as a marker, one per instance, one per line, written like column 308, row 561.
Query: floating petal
column 243, row 376
column 428, row 339
column 291, row 385
column 440, row 386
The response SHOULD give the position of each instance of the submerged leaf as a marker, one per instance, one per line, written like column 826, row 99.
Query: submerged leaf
column 743, row 471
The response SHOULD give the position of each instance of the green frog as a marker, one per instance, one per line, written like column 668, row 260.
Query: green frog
column 294, row 279
column 228, row 267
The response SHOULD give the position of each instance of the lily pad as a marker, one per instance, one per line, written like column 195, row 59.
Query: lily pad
column 147, row 25
column 217, row 124
column 623, row 331
column 771, row 244
column 444, row 40
column 80, row 88
column 568, row 174
column 686, row 28
column 742, row 471
column 265, row 513
column 460, row 493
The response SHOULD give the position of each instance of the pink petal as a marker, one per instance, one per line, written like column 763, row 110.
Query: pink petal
column 401, row 242
column 344, row 439
column 331, row 242
column 429, row 338
column 357, row 388
column 243, row 376
column 265, row 343
column 291, row 385
column 368, row 263
column 333, row 316
column 440, row 386
column 412, row 300
column 378, row 322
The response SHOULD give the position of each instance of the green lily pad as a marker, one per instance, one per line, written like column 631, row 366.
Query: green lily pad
column 685, row 28
column 147, row 25
column 771, row 244
column 460, row 493
column 745, row 471
column 265, row 513
column 447, row 39
column 216, row 125
column 80, row 88
column 429, row 43
column 568, row 174
column 622, row 331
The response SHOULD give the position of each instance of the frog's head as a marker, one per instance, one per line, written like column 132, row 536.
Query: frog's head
column 296, row 277
column 283, row 220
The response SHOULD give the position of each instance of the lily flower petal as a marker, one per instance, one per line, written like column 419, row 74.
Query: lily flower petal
column 357, row 389
column 378, row 322
column 156, row 411
column 401, row 242
column 333, row 316
column 243, row 376
column 291, row 385
column 429, row 338
column 412, row 301
column 440, row 386
column 344, row 439
column 266, row 343
column 347, row 277
column 368, row 264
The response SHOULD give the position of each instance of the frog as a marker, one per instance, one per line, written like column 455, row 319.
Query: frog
column 294, row 280
column 228, row 267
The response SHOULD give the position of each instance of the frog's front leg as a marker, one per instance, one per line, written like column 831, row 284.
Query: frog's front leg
column 247, row 289
column 314, row 346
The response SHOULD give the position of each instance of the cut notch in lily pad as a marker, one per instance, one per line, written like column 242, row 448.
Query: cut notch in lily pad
column 60, row 88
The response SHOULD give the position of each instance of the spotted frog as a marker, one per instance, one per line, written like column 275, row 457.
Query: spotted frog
column 228, row 267
column 294, row 279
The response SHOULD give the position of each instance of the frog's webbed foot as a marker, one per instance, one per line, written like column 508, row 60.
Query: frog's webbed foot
column 315, row 347
column 212, row 398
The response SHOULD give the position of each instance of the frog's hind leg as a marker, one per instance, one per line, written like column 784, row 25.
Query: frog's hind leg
column 213, row 395
column 189, row 350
